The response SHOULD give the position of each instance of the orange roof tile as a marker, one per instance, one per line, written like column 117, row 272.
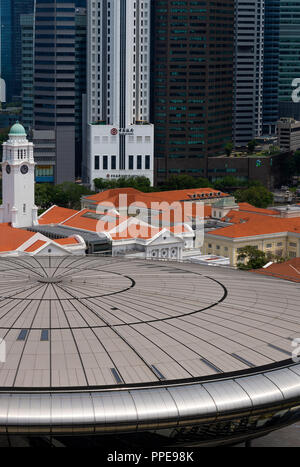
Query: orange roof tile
column 249, row 224
column 134, row 196
column 11, row 239
column 35, row 246
column 56, row 215
column 86, row 220
column 249, row 208
column 66, row 241
column 137, row 231
column 290, row 270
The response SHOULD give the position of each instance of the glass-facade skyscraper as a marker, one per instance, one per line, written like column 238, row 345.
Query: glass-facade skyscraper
column 192, row 83
column 289, row 56
column 6, row 65
column 271, row 66
column 54, row 81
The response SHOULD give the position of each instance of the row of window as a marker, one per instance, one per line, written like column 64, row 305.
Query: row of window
column 134, row 162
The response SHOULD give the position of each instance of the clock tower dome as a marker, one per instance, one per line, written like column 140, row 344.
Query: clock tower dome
column 18, row 207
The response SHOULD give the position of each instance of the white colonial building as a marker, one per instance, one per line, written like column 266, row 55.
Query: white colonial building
column 120, row 139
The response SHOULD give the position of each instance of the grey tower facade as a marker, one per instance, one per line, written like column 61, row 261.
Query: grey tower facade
column 248, row 72
column 54, row 81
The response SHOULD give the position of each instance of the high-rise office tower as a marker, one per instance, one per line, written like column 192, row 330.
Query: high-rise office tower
column 271, row 66
column 19, row 7
column 6, row 66
column 248, row 72
column 192, row 85
column 27, row 70
column 289, row 57
column 54, row 83
column 80, row 83
column 119, row 137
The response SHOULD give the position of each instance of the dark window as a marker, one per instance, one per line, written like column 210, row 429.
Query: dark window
column 130, row 162
column 105, row 162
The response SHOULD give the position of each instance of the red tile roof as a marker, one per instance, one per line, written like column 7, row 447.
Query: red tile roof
column 249, row 208
column 56, row 215
column 250, row 224
column 81, row 220
column 35, row 246
column 290, row 270
column 66, row 241
column 134, row 196
column 11, row 239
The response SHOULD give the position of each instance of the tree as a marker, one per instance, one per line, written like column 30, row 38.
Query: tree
column 257, row 195
column 251, row 146
column 228, row 148
column 184, row 182
column 250, row 257
column 66, row 195
column 139, row 183
column 227, row 182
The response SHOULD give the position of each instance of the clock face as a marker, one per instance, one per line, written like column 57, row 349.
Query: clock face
column 24, row 169
column 8, row 169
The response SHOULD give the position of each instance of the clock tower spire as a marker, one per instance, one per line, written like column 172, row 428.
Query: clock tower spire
column 18, row 207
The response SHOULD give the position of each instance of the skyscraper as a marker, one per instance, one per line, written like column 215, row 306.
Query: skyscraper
column 27, row 22
column 54, row 81
column 19, row 7
column 271, row 66
column 192, row 85
column 289, row 57
column 120, row 138
column 6, row 66
column 248, row 70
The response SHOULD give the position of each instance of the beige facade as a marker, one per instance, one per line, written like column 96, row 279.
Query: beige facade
column 284, row 244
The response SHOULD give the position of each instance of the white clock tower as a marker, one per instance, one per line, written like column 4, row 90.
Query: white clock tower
column 18, row 207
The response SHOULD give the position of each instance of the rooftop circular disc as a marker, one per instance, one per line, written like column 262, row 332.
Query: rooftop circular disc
column 100, row 322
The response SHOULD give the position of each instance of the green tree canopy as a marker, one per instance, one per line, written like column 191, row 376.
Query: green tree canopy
column 251, row 146
column 250, row 257
column 256, row 195
column 66, row 195
column 139, row 183
column 228, row 148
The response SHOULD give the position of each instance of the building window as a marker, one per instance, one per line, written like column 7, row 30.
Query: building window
column 130, row 163
column 147, row 162
column 97, row 162
column 139, row 162
column 24, row 208
column 113, row 162
column 105, row 162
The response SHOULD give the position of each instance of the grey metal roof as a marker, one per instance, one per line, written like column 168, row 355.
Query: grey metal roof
column 64, row 231
column 134, row 340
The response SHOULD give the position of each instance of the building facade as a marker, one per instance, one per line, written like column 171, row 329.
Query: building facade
column 271, row 66
column 54, row 81
column 248, row 70
column 192, row 85
column 27, row 28
column 19, row 7
column 6, row 67
column 288, row 134
column 120, row 137
column 289, row 55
